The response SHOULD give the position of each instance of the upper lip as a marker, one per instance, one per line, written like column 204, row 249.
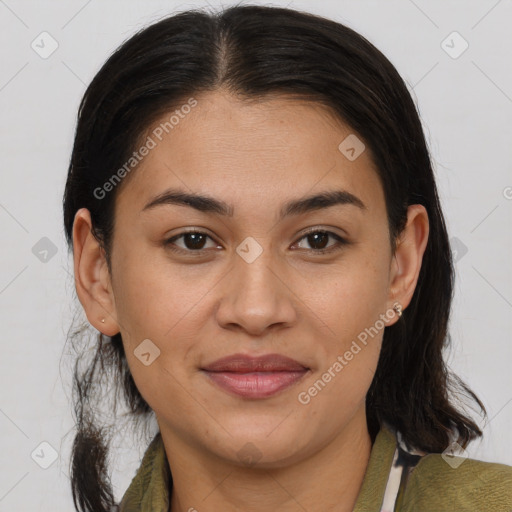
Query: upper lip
column 244, row 363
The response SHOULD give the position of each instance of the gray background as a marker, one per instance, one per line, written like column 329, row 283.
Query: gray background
column 465, row 102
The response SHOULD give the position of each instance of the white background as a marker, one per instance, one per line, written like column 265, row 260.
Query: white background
column 465, row 105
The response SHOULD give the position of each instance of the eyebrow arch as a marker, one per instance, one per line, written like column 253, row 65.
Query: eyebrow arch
column 208, row 204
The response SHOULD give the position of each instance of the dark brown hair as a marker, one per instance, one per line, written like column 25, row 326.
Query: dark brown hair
column 254, row 51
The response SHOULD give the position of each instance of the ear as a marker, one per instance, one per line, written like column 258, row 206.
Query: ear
column 92, row 278
column 406, row 263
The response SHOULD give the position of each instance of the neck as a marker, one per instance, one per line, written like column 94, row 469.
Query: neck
column 329, row 480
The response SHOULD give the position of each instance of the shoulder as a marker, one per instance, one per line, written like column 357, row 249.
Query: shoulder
column 439, row 483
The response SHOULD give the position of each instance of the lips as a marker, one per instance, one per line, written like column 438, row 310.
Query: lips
column 242, row 363
column 255, row 377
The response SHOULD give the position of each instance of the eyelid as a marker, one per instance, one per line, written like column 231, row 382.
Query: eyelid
column 322, row 229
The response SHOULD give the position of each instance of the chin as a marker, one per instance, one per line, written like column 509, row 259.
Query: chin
column 265, row 447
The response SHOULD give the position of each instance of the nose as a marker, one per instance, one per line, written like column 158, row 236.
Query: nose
column 257, row 294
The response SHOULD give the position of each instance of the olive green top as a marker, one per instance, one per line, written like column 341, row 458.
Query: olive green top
column 432, row 482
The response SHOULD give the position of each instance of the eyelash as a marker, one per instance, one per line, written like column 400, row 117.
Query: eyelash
column 169, row 243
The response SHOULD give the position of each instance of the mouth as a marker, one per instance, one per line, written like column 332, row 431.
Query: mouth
column 255, row 377
column 255, row 384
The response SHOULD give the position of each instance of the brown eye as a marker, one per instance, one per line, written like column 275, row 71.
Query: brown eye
column 193, row 241
column 318, row 241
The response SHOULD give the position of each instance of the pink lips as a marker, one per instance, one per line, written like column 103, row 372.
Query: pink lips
column 255, row 377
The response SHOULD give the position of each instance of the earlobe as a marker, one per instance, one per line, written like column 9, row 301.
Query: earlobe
column 409, row 256
column 92, row 280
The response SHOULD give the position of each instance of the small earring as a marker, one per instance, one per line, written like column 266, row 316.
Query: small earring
column 398, row 308
column 102, row 320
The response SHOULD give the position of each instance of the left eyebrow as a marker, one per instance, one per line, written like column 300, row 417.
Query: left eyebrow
column 319, row 201
column 208, row 204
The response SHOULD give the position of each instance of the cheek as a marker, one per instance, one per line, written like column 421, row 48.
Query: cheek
column 348, row 297
column 153, row 297
column 341, row 383
column 350, row 305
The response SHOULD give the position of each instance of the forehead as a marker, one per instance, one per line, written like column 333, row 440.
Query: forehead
column 273, row 148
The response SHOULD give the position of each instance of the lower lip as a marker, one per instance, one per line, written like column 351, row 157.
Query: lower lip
column 255, row 384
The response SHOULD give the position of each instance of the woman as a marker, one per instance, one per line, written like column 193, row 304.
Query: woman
column 258, row 238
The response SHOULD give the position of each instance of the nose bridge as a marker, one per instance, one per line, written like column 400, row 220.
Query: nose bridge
column 256, row 297
column 253, row 267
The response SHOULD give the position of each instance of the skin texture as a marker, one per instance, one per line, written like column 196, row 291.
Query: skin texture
column 197, row 308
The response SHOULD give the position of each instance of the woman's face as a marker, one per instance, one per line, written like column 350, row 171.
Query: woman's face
column 254, row 282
